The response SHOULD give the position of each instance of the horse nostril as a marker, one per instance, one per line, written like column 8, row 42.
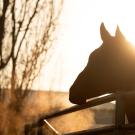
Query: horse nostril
column 77, row 100
column 75, row 97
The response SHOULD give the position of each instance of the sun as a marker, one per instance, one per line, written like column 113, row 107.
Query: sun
column 121, row 13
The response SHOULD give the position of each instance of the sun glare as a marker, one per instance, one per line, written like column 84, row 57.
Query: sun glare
column 80, row 23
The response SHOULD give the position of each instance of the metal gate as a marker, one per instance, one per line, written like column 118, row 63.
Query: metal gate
column 119, row 128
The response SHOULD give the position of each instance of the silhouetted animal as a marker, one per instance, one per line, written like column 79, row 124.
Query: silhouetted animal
column 110, row 68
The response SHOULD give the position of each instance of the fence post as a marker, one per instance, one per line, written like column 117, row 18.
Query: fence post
column 119, row 114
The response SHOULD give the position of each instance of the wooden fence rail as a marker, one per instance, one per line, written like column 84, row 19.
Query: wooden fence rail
column 119, row 128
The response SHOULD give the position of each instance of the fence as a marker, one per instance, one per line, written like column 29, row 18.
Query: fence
column 119, row 128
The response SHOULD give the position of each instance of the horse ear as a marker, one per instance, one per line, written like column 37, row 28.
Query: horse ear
column 118, row 33
column 105, row 35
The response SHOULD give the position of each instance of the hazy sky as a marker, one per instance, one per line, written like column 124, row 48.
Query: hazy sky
column 79, row 36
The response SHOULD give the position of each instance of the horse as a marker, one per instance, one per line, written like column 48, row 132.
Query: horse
column 110, row 68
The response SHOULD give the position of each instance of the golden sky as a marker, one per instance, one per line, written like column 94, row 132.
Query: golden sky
column 79, row 35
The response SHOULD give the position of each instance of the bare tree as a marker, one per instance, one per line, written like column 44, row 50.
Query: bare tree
column 27, row 31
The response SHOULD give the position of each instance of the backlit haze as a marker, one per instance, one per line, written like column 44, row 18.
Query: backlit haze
column 79, row 35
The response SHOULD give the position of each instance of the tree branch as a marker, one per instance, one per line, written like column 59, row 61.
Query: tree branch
column 27, row 28
column 2, row 33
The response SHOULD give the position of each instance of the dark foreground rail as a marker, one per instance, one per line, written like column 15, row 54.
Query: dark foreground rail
column 119, row 128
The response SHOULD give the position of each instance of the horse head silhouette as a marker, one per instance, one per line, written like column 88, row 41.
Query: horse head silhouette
column 110, row 68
